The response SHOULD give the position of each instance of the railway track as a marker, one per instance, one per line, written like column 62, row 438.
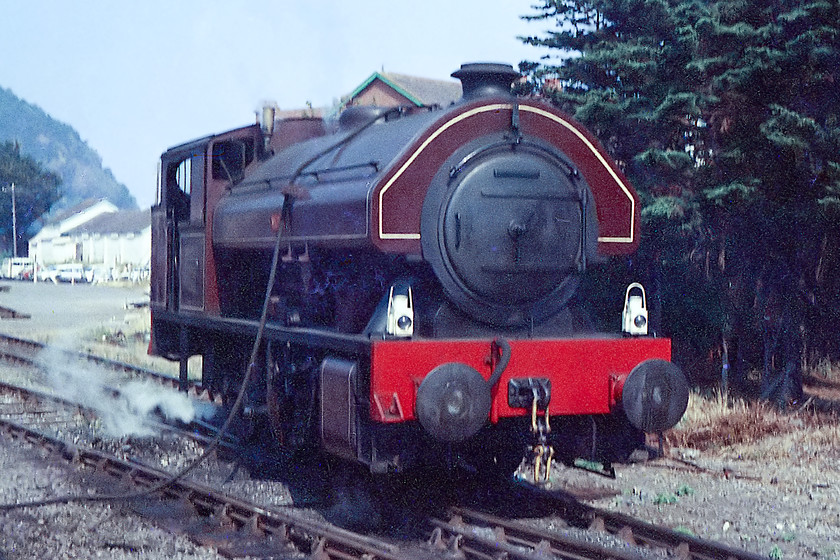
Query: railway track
column 637, row 536
column 29, row 352
column 238, row 527
column 232, row 525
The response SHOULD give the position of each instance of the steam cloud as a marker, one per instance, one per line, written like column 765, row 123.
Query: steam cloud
column 125, row 413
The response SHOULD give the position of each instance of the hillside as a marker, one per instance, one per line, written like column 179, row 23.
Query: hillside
column 58, row 148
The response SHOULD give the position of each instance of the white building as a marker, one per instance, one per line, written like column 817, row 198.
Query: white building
column 95, row 233
column 52, row 245
column 117, row 239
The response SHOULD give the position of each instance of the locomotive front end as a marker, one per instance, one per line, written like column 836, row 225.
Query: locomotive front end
column 422, row 301
column 515, row 211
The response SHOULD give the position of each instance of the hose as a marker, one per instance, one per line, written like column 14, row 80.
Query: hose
column 504, row 358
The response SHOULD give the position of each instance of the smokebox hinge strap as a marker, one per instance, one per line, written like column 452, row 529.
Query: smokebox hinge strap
column 514, row 123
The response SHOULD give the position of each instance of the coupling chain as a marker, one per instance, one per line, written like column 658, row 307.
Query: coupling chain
column 543, row 451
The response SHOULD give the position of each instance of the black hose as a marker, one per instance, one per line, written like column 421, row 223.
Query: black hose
column 502, row 363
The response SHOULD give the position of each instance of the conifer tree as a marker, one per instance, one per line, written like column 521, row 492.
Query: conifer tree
column 724, row 114
column 773, row 149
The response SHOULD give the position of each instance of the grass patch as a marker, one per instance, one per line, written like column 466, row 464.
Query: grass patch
column 714, row 421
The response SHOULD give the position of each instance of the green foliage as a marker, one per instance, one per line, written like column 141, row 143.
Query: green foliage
column 673, row 159
column 725, row 116
column 731, row 194
column 685, row 490
column 789, row 130
column 665, row 499
column 592, row 466
column 666, row 207
column 35, row 192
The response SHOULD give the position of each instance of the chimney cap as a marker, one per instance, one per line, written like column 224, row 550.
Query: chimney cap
column 486, row 78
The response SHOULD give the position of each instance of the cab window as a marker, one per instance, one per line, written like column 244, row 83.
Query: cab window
column 183, row 183
column 230, row 158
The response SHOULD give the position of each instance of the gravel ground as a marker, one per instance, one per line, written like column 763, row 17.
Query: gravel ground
column 74, row 530
column 75, row 316
column 774, row 500
column 94, row 530
column 779, row 498
column 102, row 319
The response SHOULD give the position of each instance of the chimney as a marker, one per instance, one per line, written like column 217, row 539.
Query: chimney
column 482, row 79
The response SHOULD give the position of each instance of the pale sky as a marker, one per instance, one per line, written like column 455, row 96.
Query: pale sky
column 134, row 78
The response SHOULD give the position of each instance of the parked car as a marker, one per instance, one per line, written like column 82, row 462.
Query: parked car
column 98, row 274
column 48, row 273
column 16, row 267
column 70, row 273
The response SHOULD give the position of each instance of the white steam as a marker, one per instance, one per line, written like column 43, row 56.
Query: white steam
column 128, row 411
column 146, row 396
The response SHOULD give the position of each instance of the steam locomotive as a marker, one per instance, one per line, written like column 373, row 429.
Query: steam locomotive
column 407, row 276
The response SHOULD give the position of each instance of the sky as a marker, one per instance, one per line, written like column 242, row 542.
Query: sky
column 134, row 78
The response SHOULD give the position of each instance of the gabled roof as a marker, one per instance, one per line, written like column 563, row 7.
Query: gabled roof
column 122, row 222
column 77, row 209
column 428, row 91
column 419, row 91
